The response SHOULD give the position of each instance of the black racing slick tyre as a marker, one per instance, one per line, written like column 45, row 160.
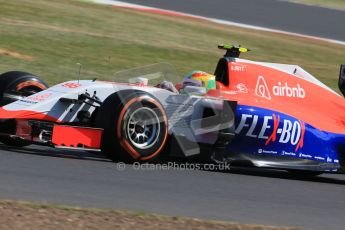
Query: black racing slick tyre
column 15, row 143
column 13, row 86
column 16, row 84
column 135, row 127
column 304, row 173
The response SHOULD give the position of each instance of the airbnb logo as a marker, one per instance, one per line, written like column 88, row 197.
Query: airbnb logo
column 261, row 88
column 284, row 90
column 279, row 90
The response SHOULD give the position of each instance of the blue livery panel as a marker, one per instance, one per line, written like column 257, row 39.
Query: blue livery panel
column 266, row 132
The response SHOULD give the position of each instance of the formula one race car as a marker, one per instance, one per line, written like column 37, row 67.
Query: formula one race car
column 261, row 114
column 126, row 121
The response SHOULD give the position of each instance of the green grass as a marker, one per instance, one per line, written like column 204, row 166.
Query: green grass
column 335, row 4
column 59, row 34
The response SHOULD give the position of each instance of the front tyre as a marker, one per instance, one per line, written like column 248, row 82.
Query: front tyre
column 135, row 126
column 15, row 85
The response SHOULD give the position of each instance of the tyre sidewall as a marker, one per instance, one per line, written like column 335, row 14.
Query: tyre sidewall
column 114, row 114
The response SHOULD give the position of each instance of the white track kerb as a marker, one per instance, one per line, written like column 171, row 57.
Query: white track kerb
column 214, row 20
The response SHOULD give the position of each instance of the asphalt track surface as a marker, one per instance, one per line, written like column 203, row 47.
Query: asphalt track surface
column 273, row 14
column 251, row 196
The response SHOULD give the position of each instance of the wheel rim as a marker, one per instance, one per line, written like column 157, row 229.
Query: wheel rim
column 143, row 128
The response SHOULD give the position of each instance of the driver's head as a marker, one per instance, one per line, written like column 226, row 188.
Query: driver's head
column 200, row 79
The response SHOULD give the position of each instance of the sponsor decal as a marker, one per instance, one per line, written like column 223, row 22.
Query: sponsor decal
column 329, row 160
column 238, row 68
column 241, row 88
column 279, row 90
column 71, row 85
column 305, row 155
column 267, row 151
column 261, row 88
column 39, row 98
column 27, row 101
column 288, row 154
column 319, row 158
column 284, row 90
column 336, row 161
column 273, row 129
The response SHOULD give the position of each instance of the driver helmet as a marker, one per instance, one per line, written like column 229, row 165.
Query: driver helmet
column 200, row 79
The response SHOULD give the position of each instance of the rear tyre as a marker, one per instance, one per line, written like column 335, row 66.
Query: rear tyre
column 13, row 142
column 13, row 86
column 135, row 126
column 304, row 173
